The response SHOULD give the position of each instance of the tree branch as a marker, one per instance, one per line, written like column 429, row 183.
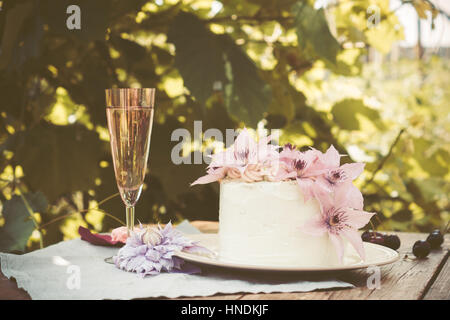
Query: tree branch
column 383, row 160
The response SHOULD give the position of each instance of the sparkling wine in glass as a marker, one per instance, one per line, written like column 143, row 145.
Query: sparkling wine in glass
column 129, row 113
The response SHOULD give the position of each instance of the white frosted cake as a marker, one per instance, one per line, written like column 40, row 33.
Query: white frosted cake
column 259, row 224
column 287, row 208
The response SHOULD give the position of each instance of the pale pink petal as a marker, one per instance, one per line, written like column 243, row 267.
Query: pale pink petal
column 267, row 152
column 289, row 155
column 223, row 159
column 245, row 142
column 323, row 185
column 338, row 245
column 347, row 195
column 358, row 218
column 316, row 166
column 353, row 170
column 307, row 187
column 314, row 227
column 281, row 171
column 264, row 140
column 355, row 239
column 325, row 199
column 208, row 178
column 331, row 158
column 283, row 174
column 314, row 170
column 310, row 157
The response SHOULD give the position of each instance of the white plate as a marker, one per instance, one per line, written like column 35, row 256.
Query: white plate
column 376, row 255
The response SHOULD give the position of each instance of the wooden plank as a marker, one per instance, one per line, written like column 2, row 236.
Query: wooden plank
column 407, row 279
column 10, row 291
column 440, row 289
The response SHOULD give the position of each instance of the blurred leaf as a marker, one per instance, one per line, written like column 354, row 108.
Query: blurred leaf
column 430, row 162
column 131, row 50
column 162, row 166
column 94, row 76
column 18, row 224
column 209, row 63
column 200, row 203
column 434, row 188
column 15, row 16
column 216, row 116
column 162, row 56
column 402, row 215
column 282, row 102
column 59, row 159
column 247, row 96
column 384, row 34
column 312, row 30
column 344, row 113
column 199, row 55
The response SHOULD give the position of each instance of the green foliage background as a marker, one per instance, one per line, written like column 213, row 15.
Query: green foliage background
column 277, row 64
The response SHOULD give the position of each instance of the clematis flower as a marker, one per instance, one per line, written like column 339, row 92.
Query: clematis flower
column 329, row 160
column 300, row 166
column 333, row 178
column 245, row 159
column 330, row 174
column 341, row 217
column 152, row 250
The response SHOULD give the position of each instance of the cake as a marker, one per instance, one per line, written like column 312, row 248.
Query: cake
column 282, row 207
column 258, row 224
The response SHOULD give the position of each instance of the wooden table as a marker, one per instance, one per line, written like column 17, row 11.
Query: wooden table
column 408, row 278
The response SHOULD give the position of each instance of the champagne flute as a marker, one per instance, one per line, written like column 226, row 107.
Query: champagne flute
column 129, row 113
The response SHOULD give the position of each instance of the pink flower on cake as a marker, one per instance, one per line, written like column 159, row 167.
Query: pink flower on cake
column 341, row 216
column 329, row 160
column 245, row 159
column 331, row 173
column 300, row 166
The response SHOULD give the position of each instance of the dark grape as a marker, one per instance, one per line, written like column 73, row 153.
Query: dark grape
column 377, row 239
column 435, row 239
column 392, row 241
column 421, row 249
column 368, row 234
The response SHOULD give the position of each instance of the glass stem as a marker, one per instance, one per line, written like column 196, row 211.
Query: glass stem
column 130, row 220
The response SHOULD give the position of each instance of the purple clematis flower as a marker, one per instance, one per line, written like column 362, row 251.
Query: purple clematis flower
column 152, row 250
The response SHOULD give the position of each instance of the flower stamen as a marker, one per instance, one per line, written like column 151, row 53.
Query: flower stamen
column 335, row 176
